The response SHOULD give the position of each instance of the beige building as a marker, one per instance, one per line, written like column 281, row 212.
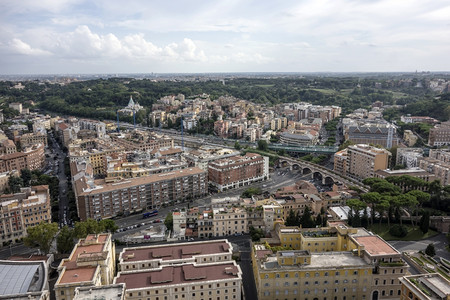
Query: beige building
column 425, row 287
column 228, row 221
column 364, row 160
column 410, row 138
column 91, row 263
column 341, row 162
column 17, row 106
column 30, row 139
column 190, row 271
column 439, row 135
column 110, row 292
column 7, row 147
column 21, row 210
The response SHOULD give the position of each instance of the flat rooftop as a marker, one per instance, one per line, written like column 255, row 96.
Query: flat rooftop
column 110, row 292
column 171, row 275
column 175, row 251
column 374, row 245
column 77, row 275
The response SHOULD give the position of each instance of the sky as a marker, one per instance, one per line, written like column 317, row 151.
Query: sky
column 127, row 36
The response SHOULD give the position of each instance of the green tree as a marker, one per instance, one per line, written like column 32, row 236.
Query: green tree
column 237, row 146
column 371, row 198
column 262, row 145
column 248, row 193
column 292, row 219
column 41, row 236
column 430, row 250
column 90, row 226
column 15, row 183
column 169, row 221
column 108, row 225
column 424, row 222
column 306, row 219
column 65, row 240
column 26, row 176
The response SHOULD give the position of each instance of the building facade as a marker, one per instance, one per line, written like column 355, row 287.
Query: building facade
column 237, row 171
column 22, row 210
column 364, row 160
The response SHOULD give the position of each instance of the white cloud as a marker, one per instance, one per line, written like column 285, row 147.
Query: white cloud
column 21, row 47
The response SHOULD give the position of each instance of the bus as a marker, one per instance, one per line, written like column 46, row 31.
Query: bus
column 150, row 214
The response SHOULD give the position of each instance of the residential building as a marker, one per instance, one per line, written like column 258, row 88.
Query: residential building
column 202, row 156
column 341, row 162
column 229, row 220
column 410, row 138
column 91, row 263
column 17, row 106
column 7, row 147
column 375, row 133
column 138, row 140
column 438, row 163
column 30, row 139
column 409, row 157
column 414, row 172
column 100, row 199
column 237, row 171
column 21, row 210
column 418, row 119
column 364, row 160
column 439, row 135
column 4, row 179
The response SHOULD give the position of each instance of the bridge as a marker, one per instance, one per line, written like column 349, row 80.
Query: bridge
column 304, row 149
column 318, row 172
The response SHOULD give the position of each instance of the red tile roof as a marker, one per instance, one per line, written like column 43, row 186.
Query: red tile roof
column 375, row 245
column 176, row 251
column 178, row 275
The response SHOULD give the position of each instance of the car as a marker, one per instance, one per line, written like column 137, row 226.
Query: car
column 157, row 221
column 191, row 239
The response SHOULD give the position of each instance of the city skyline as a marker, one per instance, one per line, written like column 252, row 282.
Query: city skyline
column 74, row 36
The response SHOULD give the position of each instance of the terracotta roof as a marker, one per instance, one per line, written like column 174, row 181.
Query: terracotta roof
column 375, row 245
column 78, row 275
column 63, row 126
column 178, row 275
column 175, row 251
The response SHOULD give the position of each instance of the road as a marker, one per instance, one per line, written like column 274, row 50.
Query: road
column 439, row 241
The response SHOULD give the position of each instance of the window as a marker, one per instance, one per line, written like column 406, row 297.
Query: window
column 277, row 275
column 286, row 275
column 337, row 273
column 307, row 274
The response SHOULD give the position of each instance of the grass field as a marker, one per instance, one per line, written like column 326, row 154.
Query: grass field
column 414, row 233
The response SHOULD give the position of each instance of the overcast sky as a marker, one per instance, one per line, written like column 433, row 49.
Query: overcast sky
column 76, row 36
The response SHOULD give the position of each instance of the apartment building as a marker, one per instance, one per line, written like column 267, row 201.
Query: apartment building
column 142, row 141
column 364, row 160
column 409, row 157
column 32, row 158
column 425, row 287
column 198, row 270
column 229, row 220
column 4, row 179
column 439, row 135
column 30, row 139
column 21, row 210
column 340, row 160
column 110, row 292
column 91, row 263
column 202, row 156
column 238, row 171
column 438, row 164
column 100, row 199
column 7, row 147
column 414, row 172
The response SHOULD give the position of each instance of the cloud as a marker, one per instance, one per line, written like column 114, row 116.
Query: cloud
column 21, row 47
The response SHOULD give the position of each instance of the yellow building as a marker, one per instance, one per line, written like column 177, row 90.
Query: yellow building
column 306, row 272
column 298, row 274
column 91, row 263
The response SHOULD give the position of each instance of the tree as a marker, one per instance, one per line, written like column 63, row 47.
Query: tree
column 371, row 198
column 237, row 146
column 169, row 221
column 262, row 145
column 291, row 219
column 41, row 236
column 15, row 183
column 430, row 250
column 90, row 226
column 248, row 193
column 65, row 240
column 306, row 219
column 424, row 222
column 26, row 176
column 108, row 225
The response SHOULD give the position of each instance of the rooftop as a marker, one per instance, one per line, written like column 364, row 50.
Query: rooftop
column 374, row 245
column 21, row 277
column 184, row 274
column 110, row 292
column 175, row 251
